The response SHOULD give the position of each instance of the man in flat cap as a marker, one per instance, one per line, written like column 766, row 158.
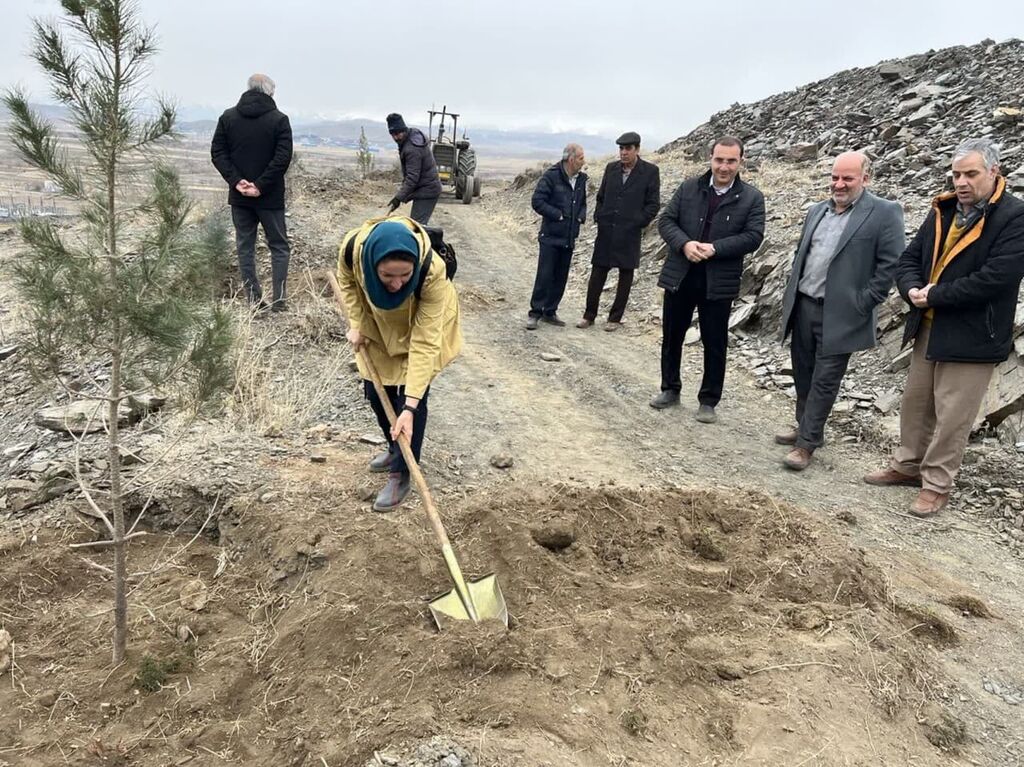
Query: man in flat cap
column 420, row 182
column 627, row 202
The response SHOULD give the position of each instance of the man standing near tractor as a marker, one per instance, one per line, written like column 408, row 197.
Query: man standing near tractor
column 420, row 182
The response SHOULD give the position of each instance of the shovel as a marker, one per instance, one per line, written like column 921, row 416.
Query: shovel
column 470, row 600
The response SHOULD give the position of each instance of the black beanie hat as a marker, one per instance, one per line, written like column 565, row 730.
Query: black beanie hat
column 396, row 123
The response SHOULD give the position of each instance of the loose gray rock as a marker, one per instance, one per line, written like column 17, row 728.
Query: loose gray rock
column 82, row 417
column 502, row 461
column 887, row 400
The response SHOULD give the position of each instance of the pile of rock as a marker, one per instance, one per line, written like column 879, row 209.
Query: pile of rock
column 908, row 115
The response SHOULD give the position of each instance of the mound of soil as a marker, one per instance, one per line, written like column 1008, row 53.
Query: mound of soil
column 665, row 627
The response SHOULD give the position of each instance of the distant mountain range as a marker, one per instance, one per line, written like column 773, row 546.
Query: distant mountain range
column 345, row 133
column 528, row 145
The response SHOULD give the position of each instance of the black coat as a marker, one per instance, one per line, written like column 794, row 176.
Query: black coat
column 253, row 140
column 736, row 230
column 859, row 277
column 623, row 211
column 562, row 207
column 419, row 171
column 976, row 295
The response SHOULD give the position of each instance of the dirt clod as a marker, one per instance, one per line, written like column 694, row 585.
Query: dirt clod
column 943, row 729
column 555, row 534
column 729, row 670
column 847, row 516
column 706, row 547
column 635, row 721
column 364, row 491
column 924, row 622
column 502, row 460
column 969, row 606
column 194, row 595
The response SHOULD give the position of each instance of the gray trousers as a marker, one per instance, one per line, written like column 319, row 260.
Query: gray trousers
column 817, row 375
column 276, row 231
column 422, row 210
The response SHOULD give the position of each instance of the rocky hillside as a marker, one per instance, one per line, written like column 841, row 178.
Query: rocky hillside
column 908, row 115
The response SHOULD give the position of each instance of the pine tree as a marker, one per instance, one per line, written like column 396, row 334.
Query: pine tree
column 133, row 287
column 364, row 157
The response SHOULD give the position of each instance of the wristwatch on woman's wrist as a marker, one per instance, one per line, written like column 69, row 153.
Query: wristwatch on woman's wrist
column 408, row 409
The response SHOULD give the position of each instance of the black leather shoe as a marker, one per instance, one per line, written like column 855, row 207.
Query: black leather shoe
column 553, row 319
column 665, row 399
column 706, row 414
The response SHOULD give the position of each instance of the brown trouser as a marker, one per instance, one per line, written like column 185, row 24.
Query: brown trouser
column 940, row 402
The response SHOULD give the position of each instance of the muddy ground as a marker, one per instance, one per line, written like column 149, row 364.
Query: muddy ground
column 677, row 597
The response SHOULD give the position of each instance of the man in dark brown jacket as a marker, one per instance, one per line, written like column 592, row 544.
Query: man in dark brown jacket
column 627, row 202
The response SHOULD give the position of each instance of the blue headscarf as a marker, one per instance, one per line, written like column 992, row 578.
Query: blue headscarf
column 386, row 239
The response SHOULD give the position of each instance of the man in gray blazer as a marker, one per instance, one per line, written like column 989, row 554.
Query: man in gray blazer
column 843, row 269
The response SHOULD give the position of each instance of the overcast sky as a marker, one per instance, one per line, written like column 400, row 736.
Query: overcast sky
column 605, row 66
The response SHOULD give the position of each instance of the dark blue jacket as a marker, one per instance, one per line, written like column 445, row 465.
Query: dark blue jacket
column 562, row 207
column 419, row 171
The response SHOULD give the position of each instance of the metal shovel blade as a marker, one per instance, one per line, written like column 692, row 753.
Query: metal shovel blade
column 485, row 598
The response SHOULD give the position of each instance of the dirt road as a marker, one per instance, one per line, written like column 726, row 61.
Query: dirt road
column 585, row 418
column 677, row 597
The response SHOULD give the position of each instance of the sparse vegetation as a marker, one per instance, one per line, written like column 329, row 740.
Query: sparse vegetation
column 153, row 672
column 364, row 157
column 132, row 290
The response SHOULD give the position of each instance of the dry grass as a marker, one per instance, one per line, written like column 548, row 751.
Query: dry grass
column 279, row 385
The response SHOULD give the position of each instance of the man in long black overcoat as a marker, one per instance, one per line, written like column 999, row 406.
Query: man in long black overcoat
column 627, row 202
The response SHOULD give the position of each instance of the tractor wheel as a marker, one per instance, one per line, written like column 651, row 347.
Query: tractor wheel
column 476, row 186
column 467, row 162
column 467, row 190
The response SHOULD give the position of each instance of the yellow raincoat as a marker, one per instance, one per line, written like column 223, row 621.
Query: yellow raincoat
column 411, row 343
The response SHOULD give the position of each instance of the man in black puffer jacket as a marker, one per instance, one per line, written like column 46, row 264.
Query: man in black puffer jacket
column 560, row 199
column 420, row 182
column 961, row 275
column 252, row 149
column 711, row 223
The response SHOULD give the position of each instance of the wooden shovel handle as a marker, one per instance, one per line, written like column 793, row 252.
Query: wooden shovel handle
column 403, row 441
